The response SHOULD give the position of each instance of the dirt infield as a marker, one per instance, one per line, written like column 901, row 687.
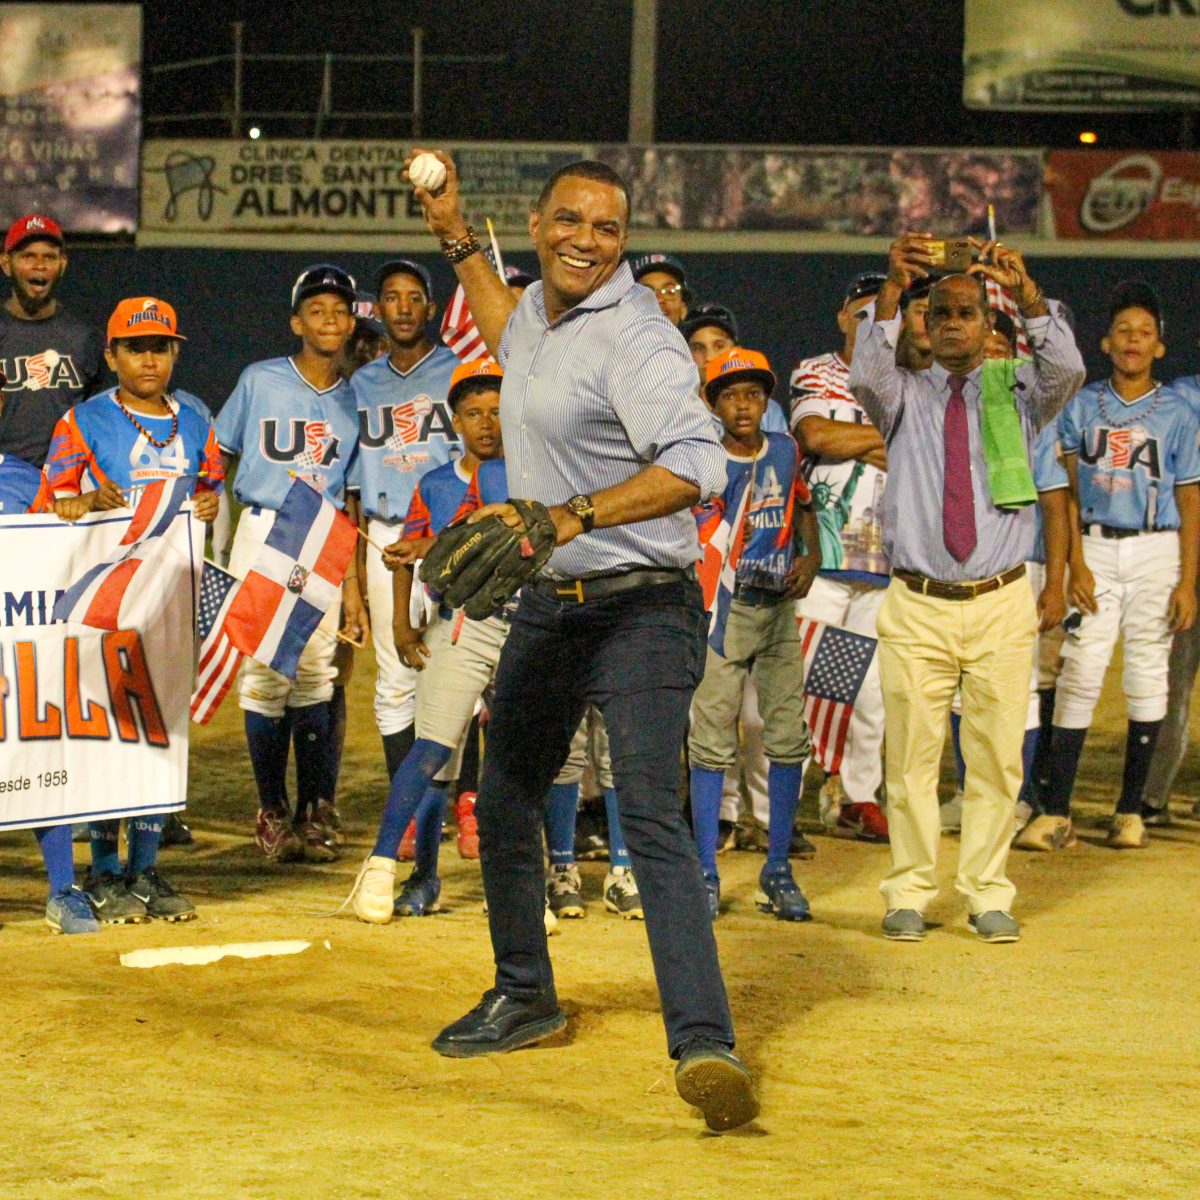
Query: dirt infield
column 1062, row 1067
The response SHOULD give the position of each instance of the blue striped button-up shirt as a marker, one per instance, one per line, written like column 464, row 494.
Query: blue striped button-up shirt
column 593, row 398
column 909, row 409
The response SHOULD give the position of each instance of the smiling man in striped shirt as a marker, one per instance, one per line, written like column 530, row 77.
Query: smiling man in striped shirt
column 601, row 423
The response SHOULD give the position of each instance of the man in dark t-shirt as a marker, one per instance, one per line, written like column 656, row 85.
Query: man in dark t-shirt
column 49, row 360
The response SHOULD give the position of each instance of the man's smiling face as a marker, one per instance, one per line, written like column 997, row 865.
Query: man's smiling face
column 579, row 234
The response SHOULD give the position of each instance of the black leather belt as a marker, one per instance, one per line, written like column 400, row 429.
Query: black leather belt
column 757, row 597
column 957, row 591
column 1111, row 531
column 579, row 591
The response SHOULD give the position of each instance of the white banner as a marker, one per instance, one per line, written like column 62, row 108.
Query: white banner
column 93, row 724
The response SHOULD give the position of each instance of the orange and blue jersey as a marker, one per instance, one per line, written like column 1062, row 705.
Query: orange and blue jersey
column 762, row 552
column 447, row 494
column 20, row 483
column 97, row 441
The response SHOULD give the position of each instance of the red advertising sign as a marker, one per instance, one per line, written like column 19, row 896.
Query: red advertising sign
column 1115, row 194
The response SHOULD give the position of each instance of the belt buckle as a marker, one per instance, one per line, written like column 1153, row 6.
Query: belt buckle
column 575, row 591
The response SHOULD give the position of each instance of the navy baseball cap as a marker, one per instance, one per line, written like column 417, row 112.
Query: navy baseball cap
column 919, row 289
column 404, row 266
column 864, row 285
column 363, row 309
column 645, row 263
column 322, row 279
column 709, row 314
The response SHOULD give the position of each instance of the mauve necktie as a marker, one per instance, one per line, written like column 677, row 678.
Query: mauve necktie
column 958, row 500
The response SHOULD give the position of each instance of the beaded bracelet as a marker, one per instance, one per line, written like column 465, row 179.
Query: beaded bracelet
column 456, row 249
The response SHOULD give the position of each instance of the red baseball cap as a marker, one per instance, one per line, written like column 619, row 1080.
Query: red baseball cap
column 477, row 368
column 738, row 366
column 33, row 227
column 143, row 316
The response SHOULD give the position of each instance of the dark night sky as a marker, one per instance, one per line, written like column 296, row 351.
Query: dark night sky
column 881, row 72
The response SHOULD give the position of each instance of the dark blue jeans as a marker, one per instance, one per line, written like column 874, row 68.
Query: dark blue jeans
column 638, row 656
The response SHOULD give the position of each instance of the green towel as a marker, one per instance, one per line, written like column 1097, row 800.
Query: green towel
column 1004, row 451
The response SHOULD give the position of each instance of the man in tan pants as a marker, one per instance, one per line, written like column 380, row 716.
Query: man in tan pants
column 959, row 611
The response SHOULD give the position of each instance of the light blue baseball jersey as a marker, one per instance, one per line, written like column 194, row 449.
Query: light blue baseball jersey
column 1188, row 386
column 19, row 484
column 283, row 427
column 404, row 428
column 193, row 402
column 1132, row 455
column 1049, row 475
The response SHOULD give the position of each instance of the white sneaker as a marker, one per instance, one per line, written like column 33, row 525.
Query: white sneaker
column 950, row 814
column 372, row 898
column 621, row 894
column 550, row 920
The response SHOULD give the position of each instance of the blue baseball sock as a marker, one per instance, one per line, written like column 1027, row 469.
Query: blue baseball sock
column 783, row 797
column 412, row 777
column 431, row 813
column 337, row 714
column 104, row 836
column 561, row 810
column 54, row 841
column 618, row 852
column 143, row 834
column 960, row 766
column 269, row 739
column 707, row 786
column 316, row 757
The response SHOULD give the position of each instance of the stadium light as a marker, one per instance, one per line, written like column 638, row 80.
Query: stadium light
column 255, row 133
column 1086, row 137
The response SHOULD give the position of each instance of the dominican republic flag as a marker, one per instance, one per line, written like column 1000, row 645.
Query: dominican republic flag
column 219, row 657
column 717, row 569
column 295, row 580
column 96, row 597
column 835, row 665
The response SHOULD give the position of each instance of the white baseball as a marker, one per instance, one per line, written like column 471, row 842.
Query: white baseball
column 427, row 171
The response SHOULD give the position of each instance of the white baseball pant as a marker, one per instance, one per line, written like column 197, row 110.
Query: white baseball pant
column 395, row 684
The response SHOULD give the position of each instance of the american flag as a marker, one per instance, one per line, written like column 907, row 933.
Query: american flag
column 459, row 330
column 219, row 657
column 835, row 664
column 1000, row 298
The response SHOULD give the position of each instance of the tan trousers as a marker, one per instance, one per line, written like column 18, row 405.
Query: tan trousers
column 927, row 648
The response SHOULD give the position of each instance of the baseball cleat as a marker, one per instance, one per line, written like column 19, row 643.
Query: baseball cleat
column 275, row 837
column 330, row 820
column 710, row 1077
column 1046, row 833
column 112, row 902
column 175, row 832
column 318, row 843
column 70, row 912
column 162, row 901
column 1127, row 832
column 468, row 826
column 864, row 822
column 780, row 894
column 419, row 897
column 548, row 919
column 373, row 891
column 621, row 894
column 564, row 892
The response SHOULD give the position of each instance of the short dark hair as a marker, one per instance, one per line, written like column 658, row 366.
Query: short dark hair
column 587, row 168
column 473, row 387
column 1133, row 293
column 128, row 342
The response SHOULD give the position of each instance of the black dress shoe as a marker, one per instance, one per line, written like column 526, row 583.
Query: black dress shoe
column 713, row 1078
column 498, row 1023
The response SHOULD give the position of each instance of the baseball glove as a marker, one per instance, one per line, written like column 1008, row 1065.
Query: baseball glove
column 479, row 567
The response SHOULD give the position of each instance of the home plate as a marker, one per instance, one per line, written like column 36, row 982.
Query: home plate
column 198, row 956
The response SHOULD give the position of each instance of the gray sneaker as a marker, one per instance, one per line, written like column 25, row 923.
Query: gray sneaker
column 71, row 912
column 903, row 925
column 995, row 926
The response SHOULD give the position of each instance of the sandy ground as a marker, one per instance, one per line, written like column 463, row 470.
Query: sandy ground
column 1061, row 1067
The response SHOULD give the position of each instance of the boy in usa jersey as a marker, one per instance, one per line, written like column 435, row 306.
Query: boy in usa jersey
column 775, row 554
column 291, row 418
column 102, row 454
column 1129, row 445
column 405, row 430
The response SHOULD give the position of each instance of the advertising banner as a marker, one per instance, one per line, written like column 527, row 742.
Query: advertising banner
column 1101, row 194
column 255, row 187
column 1121, row 55
column 93, row 724
column 70, row 82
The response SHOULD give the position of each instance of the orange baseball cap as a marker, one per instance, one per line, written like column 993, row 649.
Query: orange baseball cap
column 143, row 316
column 738, row 366
column 477, row 368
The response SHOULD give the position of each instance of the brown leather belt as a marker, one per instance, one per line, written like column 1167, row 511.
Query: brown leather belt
column 957, row 591
column 579, row 591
